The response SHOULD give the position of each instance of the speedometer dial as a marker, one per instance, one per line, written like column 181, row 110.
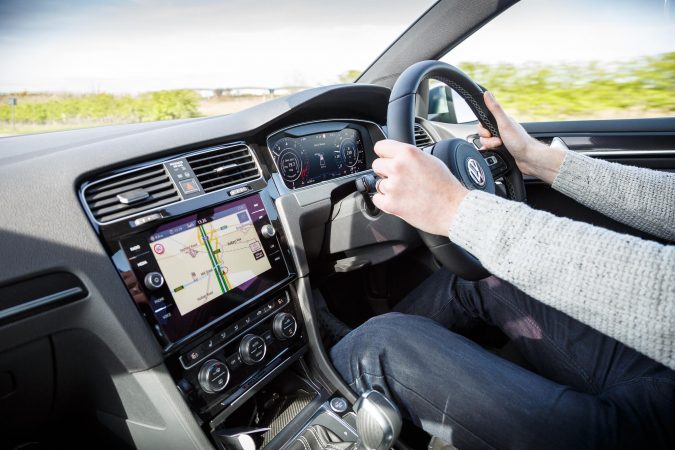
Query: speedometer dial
column 349, row 153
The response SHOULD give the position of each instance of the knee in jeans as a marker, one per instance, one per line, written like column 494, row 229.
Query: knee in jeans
column 381, row 331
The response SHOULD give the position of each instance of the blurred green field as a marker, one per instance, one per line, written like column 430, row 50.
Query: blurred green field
column 40, row 109
column 642, row 87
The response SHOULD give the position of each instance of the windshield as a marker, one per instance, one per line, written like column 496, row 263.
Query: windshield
column 79, row 63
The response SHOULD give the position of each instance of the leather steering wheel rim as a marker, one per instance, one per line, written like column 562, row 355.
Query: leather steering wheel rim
column 401, row 126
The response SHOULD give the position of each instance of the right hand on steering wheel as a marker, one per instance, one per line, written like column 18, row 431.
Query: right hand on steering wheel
column 532, row 156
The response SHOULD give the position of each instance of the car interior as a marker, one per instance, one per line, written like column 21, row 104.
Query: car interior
column 179, row 284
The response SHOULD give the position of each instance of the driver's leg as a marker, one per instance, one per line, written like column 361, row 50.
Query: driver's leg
column 557, row 346
column 455, row 389
column 462, row 393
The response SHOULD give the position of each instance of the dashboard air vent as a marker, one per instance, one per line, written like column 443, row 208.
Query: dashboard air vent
column 130, row 193
column 422, row 138
column 218, row 169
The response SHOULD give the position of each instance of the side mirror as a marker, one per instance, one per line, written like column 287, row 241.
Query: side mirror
column 446, row 106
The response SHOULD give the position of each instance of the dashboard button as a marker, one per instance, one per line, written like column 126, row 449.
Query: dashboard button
column 268, row 337
column 339, row 405
column 234, row 361
column 192, row 356
column 153, row 281
column 209, row 345
column 222, row 336
column 258, row 313
column 246, row 321
column 233, row 329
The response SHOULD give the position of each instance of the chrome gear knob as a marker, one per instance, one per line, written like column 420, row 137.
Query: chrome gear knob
column 378, row 421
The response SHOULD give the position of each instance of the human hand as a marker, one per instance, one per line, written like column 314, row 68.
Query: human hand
column 416, row 187
column 532, row 156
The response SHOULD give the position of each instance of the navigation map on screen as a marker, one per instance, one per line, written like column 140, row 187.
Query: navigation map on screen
column 205, row 258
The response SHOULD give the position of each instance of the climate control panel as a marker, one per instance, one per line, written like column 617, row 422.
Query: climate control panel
column 213, row 374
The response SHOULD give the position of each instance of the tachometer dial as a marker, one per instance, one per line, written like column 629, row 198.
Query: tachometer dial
column 288, row 159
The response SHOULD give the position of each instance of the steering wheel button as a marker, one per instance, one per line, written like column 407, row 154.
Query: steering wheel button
column 491, row 160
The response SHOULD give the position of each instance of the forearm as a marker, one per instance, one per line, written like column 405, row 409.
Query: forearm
column 620, row 285
column 542, row 161
column 641, row 198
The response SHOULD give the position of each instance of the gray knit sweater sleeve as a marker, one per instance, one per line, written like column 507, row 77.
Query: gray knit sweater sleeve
column 641, row 198
column 621, row 285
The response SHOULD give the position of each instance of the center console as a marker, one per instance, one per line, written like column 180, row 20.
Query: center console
column 198, row 243
column 211, row 274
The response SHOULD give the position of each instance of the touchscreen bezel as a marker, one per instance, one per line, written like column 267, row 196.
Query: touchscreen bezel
column 160, row 304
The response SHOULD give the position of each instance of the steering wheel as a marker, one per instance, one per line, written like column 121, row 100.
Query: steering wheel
column 474, row 169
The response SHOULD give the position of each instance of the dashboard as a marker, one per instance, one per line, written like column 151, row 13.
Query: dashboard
column 183, row 250
column 197, row 240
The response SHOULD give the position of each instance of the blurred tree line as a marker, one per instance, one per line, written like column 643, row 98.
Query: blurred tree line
column 102, row 108
column 643, row 87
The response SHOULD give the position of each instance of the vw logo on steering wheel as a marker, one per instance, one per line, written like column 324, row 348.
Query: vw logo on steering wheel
column 475, row 172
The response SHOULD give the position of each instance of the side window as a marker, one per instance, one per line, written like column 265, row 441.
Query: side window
column 552, row 60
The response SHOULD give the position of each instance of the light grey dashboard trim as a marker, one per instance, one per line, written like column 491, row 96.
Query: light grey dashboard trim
column 279, row 182
column 87, row 185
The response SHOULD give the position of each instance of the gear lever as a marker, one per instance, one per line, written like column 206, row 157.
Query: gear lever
column 378, row 422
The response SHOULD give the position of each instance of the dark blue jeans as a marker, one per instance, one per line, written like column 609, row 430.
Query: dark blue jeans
column 585, row 390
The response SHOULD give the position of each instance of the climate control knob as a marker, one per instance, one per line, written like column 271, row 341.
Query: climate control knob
column 284, row 326
column 252, row 349
column 213, row 376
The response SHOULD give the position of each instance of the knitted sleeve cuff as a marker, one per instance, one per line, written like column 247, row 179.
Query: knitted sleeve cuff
column 578, row 174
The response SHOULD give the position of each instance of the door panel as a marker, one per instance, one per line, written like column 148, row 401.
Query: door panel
column 648, row 143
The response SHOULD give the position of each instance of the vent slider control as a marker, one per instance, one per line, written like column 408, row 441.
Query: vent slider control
column 131, row 197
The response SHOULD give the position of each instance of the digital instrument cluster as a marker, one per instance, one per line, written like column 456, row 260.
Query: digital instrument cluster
column 303, row 160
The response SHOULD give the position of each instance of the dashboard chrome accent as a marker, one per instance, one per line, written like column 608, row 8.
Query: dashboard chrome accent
column 625, row 152
column 279, row 181
column 55, row 298
column 161, row 162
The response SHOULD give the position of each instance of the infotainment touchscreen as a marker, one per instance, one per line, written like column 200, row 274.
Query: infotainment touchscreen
column 203, row 266
column 204, row 258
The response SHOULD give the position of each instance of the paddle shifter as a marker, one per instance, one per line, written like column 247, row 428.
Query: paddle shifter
column 378, row 422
